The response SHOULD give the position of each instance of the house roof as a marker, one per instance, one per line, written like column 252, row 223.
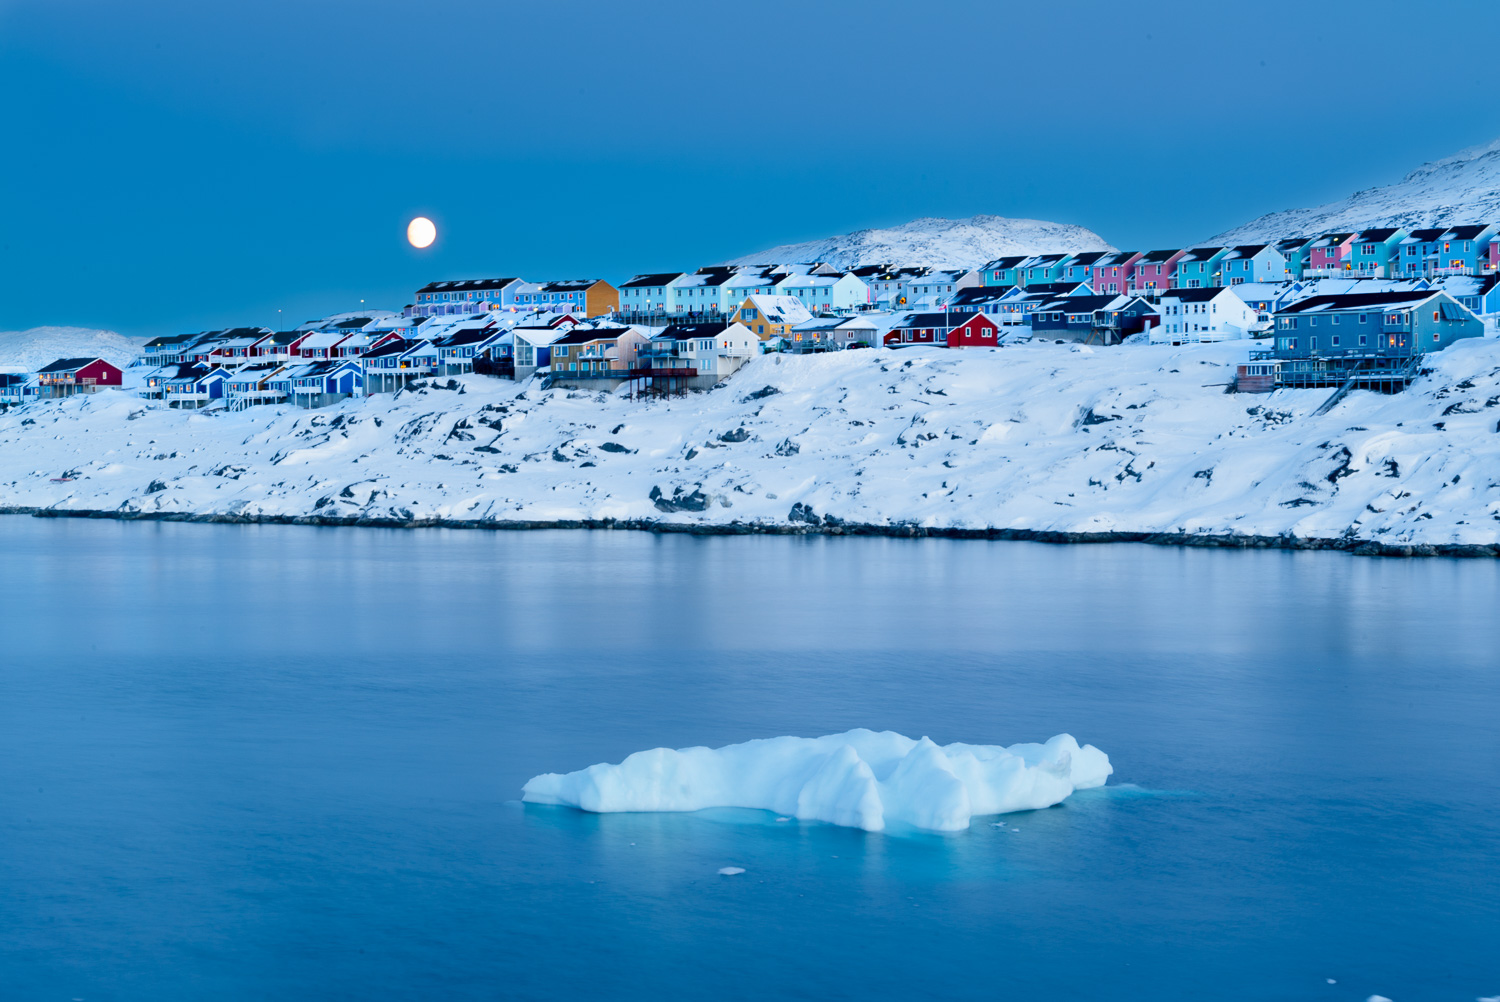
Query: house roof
column 70, row 364
column 1360, row 301
column 1086, row 258
column 400, row 346
column 1158, row 256
column 1003, row 263
column 684, row 332
column 1426, row 235
column 1195, row 295
column 646, row 281
column 585, row 335
column 467, row 284
column 977, row 294
column 1378, row 235
column 1466, row 232
column 1199, row 254
column 1244, row 251
column 469, row 335
column 1078, row 304
column 946, row 320
column 570, row 285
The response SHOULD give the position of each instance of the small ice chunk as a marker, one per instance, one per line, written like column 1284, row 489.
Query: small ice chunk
column 783, row 819
column 729, row 871
column 1377, row 998
column 1332, row 981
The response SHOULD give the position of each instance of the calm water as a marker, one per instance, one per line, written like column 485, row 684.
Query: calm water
column 260, row 762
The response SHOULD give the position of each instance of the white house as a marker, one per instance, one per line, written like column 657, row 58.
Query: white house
column 934, row 290
column 1190, row 316
column 1252, row 263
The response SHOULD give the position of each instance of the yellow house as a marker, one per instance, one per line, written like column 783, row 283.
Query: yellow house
column 771, row 316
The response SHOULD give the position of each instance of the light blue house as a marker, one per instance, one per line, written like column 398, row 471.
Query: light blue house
column 1251, row 263
column 1003, row 271
column 1373, row 251
column 1041, row 269
column 1294, row 251
column 1198, row 268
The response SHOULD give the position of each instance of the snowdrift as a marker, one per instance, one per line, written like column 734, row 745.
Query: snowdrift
column 859, row 779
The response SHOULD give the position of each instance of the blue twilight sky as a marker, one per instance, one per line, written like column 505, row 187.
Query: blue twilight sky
column 173, row 166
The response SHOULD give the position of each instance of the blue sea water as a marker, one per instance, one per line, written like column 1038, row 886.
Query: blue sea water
column 280, row 762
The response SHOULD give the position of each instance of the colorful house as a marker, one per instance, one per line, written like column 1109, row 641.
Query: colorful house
column 770, row 316
column 696, row 356
column 1198, row 268
column 1113, row 272
column 1003, row 271
column 1374, row 250
column 1251, row 263
column 949, row 329
column 1155, row 270
column 589, row 297
column 1400, row 324
column 317, row 384
column 1040, row 268
column 585, row 356
column 68, row 376
column 1462, row 250
column 1329, row 255
column 831, row 334
column 1077, row 268
column 1478, row 293
column 465, row 296
column 1294, row 249
column 1418, row 252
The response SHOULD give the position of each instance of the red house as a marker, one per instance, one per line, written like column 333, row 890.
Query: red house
column 68, row 376
column 951, row 330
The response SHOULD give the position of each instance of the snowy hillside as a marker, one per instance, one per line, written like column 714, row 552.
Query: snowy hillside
column 1463, row 188
column 1040, row 437
column 31, row 349
column 937, row 243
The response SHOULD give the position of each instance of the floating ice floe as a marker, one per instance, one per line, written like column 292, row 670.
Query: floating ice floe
column 860, row 779
column 730, row 871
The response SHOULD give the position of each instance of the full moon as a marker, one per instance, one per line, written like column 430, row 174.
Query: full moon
column 420, row 232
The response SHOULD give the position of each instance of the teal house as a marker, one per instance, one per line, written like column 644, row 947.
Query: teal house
column 1373, row 252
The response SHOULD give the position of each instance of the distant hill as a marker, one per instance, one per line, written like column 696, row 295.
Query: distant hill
column 1463, row 188
column 34, row 348
column 937, row 243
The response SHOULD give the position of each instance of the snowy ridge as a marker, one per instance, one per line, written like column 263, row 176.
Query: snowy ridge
column 1038, row 437
column 1463, row 188
column 859, row 779
column 29, row 350
column 937, row 243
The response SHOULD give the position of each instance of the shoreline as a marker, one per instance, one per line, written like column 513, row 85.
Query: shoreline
column 1351, row 545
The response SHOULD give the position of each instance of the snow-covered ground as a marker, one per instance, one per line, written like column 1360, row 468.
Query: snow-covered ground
column 1463, row 188
column 937, row 243
column 29, row 350
column 860, row 779
column 1037, row 437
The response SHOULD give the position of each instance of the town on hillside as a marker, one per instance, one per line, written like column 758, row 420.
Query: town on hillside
column 1350, row 309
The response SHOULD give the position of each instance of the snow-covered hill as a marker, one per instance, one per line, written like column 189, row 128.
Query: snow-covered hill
column 1463, row 188
column 1039, row 438
column 937, row 243
column 34, row 348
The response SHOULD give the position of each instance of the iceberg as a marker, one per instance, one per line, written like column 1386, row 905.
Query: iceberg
column 859, row 779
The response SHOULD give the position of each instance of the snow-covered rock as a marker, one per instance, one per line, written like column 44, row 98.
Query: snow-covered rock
column 1023, row 439
column 937, row 243
column 1463, row 188
column 29, row 350
column 860, row 779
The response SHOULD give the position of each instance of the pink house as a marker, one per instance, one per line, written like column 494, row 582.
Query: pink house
column 1112, row 272
column 1331, row 251
column 1154, row 270
column 1494, row 254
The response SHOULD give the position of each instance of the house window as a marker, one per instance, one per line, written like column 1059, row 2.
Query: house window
column 1335, row 340
column 1363, row 318
column 1363, row 340
column 1436, row 336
